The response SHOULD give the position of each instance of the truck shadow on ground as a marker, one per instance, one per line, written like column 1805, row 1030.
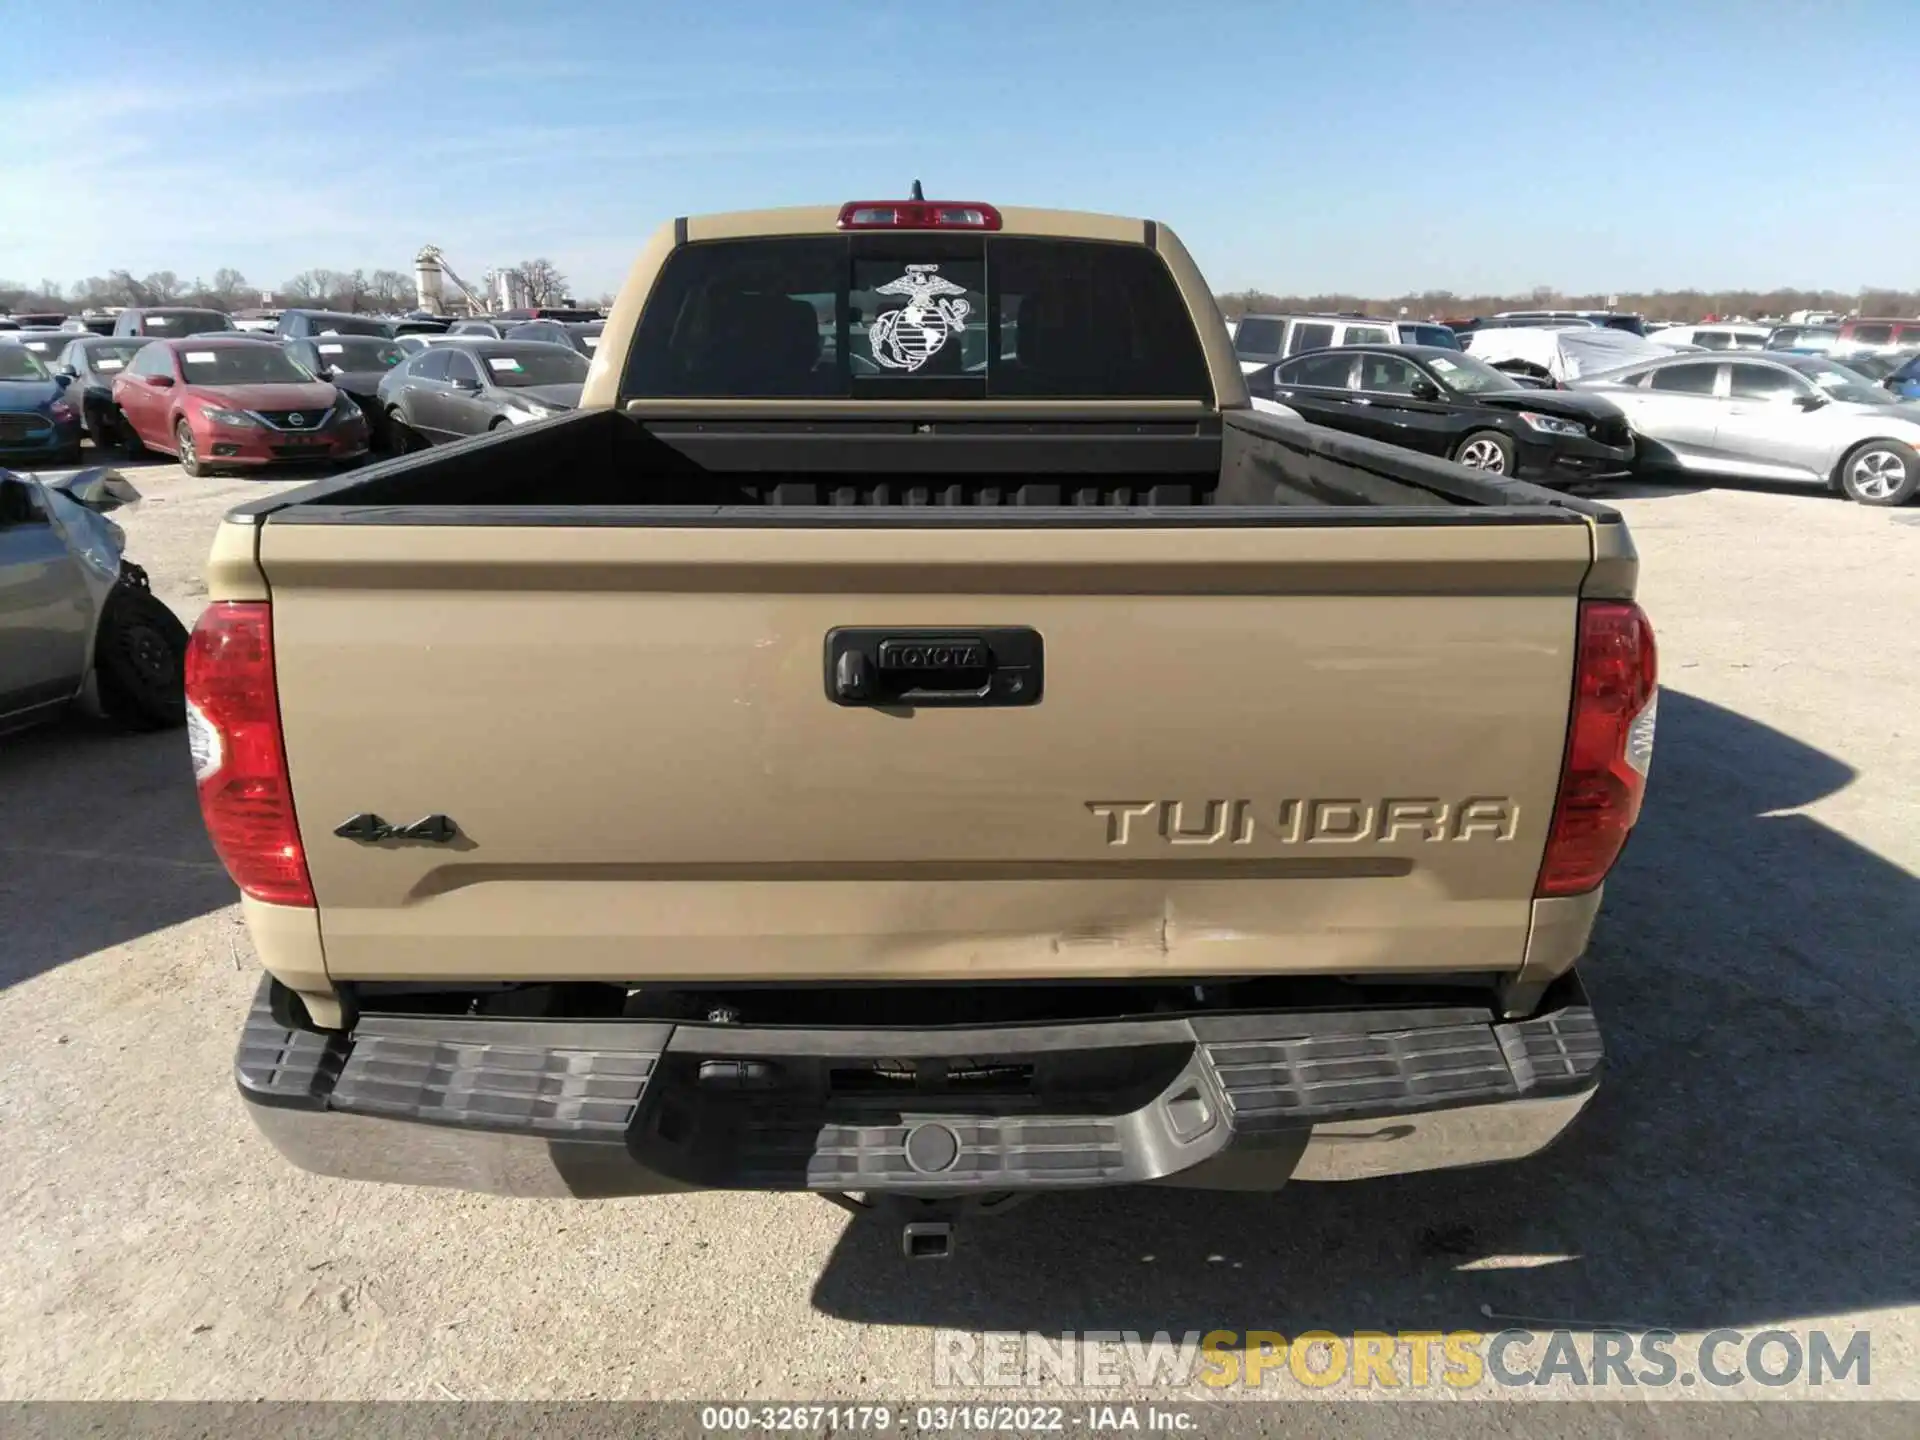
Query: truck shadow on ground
column 101, row 842
column 1751, row 1156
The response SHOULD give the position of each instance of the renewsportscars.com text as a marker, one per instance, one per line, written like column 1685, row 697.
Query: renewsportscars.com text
column 1405, row 1359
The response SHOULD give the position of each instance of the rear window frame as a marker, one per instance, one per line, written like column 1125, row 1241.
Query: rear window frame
column 1184, row 377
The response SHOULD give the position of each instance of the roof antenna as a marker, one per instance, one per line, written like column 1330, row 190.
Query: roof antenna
column 918, row 193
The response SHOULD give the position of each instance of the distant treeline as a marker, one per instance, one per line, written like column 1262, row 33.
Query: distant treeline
column 1655, row 305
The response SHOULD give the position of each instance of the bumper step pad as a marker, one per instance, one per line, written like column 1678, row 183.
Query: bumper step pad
column 628, row 1095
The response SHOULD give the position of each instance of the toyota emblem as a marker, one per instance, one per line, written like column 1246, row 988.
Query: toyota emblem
column 296, row 419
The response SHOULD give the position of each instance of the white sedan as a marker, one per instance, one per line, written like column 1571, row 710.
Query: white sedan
column 1771, row 416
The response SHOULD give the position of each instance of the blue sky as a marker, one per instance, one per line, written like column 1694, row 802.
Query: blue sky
column 1368, row 146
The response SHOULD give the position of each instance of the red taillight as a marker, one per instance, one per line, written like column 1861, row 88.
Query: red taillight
column 918, row 215
column 1609, row 746
column 239, row 759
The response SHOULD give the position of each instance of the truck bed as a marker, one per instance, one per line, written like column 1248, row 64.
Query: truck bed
column 1140, row 470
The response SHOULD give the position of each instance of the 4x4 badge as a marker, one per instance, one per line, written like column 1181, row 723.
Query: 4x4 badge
column 371, row 829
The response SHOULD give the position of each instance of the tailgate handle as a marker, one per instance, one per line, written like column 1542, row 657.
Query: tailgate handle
column 907, row 667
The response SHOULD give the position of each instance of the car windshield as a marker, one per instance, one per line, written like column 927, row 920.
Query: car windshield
column 18, row 364
column 358, row 352
column 1872, row 367
column 1843, row 384
column 515, row 367
column 242, row 364
column 185, row 322
column 108, row 359
column 1437, row 336
column 1468, row 376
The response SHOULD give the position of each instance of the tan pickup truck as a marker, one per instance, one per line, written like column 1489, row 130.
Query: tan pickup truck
column 916, row 733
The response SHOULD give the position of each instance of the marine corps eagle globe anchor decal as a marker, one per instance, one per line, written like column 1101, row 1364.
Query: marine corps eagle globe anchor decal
column 905, row 339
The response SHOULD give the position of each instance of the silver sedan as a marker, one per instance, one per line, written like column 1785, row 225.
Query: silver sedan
column 1771, row 417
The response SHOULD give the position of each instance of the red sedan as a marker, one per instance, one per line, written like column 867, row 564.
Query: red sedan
column 217, row 402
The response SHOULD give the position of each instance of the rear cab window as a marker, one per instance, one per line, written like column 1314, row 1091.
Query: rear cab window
column 924, row 316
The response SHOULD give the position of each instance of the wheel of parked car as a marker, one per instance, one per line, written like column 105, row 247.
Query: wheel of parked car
column 183, row 447
column 1881, row 472
column 139, row 659
column 402, row 438
column 98, row 429
column 1486, row 450
column 129, row 441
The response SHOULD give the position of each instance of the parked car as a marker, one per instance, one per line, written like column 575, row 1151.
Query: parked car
column 1809, row 339
column 1442, row 402
column 37, row 421
column 260, row 322
column 44, row 341
column 1771, row 416
column 91, row 363
column 355, row 365
column 38, row 319
column 305, row 324
column 237, row 402
column 1564, row 354
column 1264, row 339
column 1905, row 381
column 488, row 329
column 419, row 325
column 581, row 335
column 450, row 391
column 99, row 322
column 569, row 313
column 1876, row 335
column 8, row 325
column 1606, row 319
column 170, row 321
column 73, row 609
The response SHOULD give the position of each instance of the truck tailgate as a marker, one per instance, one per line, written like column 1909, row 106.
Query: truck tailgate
column 1329, row 744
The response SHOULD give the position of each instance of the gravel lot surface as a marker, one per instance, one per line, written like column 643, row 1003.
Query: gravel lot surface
column 1751, row 1161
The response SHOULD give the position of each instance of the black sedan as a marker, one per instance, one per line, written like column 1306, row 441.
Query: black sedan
column 355, row 364
column 1447, row 403
column 467, row 387
column 92, row 361
column 581, row 335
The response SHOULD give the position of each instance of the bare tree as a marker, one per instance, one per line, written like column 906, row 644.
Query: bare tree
column 544, row 284
column 309, row 287
column 350, row 291
column 390, row 290
column 164, row 286
column 230, row 288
